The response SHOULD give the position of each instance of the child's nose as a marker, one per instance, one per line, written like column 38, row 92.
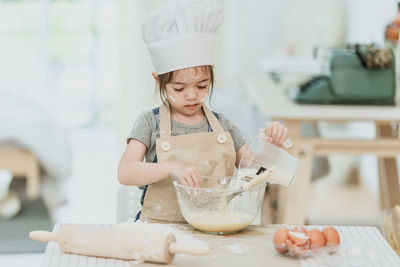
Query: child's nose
column 191, row 93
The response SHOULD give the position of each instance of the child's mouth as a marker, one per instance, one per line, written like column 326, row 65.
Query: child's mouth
column 191, row 106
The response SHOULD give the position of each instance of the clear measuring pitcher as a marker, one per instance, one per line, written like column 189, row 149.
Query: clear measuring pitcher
column 261, row 153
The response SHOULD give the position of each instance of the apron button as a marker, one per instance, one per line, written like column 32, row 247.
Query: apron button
column 221, row 138
column 165, row 146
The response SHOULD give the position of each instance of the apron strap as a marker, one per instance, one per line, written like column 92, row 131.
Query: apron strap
column 212, row 120
column 165, row 121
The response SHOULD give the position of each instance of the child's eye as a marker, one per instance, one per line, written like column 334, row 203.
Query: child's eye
column 178, row 89
column 202, row 87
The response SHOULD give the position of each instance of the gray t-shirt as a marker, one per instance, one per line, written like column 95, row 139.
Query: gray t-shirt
column 146, row 130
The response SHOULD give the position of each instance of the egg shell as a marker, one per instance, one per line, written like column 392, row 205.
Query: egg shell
column 299, row 236
column 295, row 249
column 280, row 237
column 317, row 239
column 299, row 229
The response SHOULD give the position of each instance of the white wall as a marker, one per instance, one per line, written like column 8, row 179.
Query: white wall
column 137, row 85
column 368, row 19
column 245, row 37
column 252, row 30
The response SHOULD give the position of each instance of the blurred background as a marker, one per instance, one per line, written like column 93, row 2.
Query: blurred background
column 75, row 75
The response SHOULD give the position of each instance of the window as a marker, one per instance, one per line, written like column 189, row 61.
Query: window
column 64, row 55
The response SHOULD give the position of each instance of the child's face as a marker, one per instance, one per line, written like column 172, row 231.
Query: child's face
column 188, row 90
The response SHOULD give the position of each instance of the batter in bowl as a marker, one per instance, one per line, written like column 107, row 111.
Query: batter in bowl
column 214, row 222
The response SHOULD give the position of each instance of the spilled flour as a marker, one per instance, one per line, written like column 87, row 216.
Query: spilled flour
column 179, row 235
column 237, row 248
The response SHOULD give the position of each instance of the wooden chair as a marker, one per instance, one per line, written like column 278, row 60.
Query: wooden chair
column 22, row 164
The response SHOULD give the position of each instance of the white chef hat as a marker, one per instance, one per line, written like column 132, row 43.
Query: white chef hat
column 181, row 34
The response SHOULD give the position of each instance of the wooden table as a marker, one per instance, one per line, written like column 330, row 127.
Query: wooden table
column 293, row 201
column 252, row 247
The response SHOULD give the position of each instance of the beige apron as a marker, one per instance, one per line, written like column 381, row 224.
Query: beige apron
column 213, row 153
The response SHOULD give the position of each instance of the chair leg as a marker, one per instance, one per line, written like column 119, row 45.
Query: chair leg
column 32, row 178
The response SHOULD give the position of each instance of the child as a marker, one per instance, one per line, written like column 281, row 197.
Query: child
column 182, row 139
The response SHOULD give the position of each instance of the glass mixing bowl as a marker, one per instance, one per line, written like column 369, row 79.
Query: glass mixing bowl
column 206, row 208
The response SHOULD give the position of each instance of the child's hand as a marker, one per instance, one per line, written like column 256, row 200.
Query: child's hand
column 275, row 133
column 186, row 174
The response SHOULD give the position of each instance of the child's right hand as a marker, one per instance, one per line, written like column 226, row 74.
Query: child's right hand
column 186, row 174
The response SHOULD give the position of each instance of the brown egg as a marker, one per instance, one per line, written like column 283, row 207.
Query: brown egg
column 317, row 239
column 299, row 236
column 280, row 237
column 332, row 238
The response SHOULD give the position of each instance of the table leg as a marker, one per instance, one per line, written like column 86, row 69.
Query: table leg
column 387, row 168
column 275, row 201
column 293, row 200
column 269, row 207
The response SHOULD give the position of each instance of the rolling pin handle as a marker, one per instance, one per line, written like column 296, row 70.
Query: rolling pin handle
column 43, row 236
column 193, row 249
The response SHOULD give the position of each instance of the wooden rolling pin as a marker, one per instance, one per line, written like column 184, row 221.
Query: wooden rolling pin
column 128, row 242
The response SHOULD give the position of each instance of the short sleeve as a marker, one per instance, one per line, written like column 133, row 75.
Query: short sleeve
column 230, row 127
column 142, row 128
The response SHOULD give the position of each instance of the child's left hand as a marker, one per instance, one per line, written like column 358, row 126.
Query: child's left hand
column 275, row 133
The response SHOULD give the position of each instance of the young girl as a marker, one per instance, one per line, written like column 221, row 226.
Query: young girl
column 182, row 139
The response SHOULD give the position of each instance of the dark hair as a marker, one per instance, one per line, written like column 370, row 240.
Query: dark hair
column 166, row 78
